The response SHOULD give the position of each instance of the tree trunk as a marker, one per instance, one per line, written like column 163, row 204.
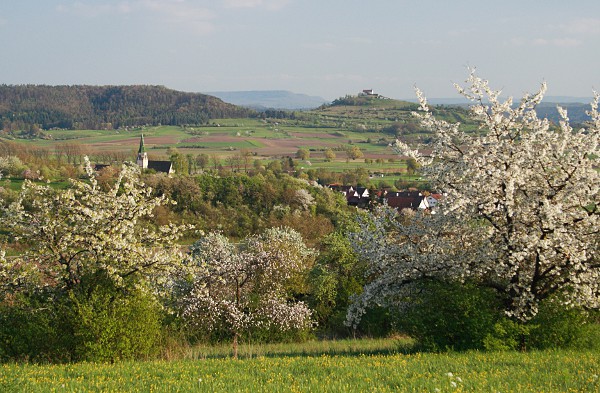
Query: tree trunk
column 523, row 343
column 235, row 345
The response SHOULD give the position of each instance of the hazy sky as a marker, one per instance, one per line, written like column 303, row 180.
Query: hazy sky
column 328, row 48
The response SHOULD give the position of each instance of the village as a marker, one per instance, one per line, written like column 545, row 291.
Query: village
column 412, row 199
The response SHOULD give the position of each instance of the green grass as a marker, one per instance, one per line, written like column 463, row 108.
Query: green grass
column 305, row 368
column 346, row 347
column 340, row 164
column 16, row 184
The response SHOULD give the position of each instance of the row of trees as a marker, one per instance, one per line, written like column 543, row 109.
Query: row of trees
column 99, row 273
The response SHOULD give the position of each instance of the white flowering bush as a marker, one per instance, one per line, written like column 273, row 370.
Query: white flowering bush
column 84, row 229
column 304, row 199
column 85, row 286
column 520, row 212
column 239, row 287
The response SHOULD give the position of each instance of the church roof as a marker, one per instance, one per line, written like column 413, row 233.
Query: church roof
column 160, row 166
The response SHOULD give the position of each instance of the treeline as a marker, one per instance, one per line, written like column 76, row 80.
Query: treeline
column 30, row 107
column 352, row 100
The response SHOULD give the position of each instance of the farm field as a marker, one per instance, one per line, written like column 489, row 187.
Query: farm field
column 366, row 127
column 262, row 139
column 334, row 369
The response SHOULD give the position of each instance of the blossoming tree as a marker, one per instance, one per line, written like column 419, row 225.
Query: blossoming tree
column 85, row 230
column 239, row 287
column 520, row 211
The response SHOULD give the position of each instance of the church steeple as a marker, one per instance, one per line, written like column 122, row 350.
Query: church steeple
column 142, row 157
column 142, row 147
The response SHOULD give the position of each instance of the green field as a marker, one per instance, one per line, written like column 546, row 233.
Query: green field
column 350, row 366
column 261, row 139
column 365, row 125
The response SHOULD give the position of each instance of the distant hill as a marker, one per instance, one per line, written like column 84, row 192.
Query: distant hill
column 575, row 106
column 97, row 107
column 576, row 112
column 270, row 99
column 373, row 101
column 547, row 99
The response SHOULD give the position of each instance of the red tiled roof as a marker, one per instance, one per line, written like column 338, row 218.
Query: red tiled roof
column 402, row 202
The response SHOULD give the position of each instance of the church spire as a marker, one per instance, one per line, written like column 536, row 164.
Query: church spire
column 142, row 148
column 142, row 157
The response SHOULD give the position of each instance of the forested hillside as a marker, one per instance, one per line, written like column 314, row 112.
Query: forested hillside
column 101, row 107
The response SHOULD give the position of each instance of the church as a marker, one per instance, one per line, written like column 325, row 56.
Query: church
column 158, row 166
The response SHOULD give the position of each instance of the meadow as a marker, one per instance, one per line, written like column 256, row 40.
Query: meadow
column 345, row 366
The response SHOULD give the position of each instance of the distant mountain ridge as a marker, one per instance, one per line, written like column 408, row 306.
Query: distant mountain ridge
column 97, row 107
column 547, row 99
column 575, row 106
column 270, row 99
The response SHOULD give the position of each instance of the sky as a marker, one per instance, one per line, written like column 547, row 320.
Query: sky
column 326, row 48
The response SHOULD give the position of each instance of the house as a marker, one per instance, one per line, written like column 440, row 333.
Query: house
column 430, row 201
column 355, row 196
column 358, row 197
column 158, row 166
column 404, row 200
column 369, row 93
column 99, row 167
column 412, row 200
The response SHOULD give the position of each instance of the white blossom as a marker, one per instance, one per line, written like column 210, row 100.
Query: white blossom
column 83, row 230
column 520, row 209
column 241, row 286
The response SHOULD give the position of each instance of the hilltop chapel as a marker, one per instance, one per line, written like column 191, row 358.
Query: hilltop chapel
column 158, row 166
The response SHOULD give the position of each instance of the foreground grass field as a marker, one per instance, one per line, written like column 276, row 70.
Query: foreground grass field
column 368, row 366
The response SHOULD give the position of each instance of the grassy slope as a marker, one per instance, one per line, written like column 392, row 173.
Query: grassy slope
column 348, row 366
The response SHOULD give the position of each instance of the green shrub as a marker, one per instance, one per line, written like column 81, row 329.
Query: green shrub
column 446, row 315
column 456, row 316
column 110, row 324
column 33, row 328
column 98, row 322
column 560, row 327
column 377, row 322
column 554, row 327
column 508, row 335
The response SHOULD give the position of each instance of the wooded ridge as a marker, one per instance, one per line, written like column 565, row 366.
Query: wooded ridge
column 101, row 107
